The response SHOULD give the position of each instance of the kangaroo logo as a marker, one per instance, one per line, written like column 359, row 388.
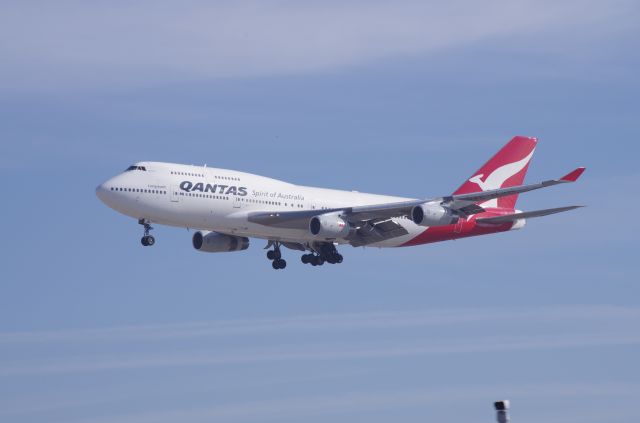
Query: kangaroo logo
column 478, row 180
column 498, row 177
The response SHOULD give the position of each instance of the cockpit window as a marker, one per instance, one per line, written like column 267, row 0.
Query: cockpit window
column 136, row 168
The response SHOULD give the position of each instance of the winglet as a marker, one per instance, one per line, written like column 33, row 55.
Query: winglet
column 573, row 176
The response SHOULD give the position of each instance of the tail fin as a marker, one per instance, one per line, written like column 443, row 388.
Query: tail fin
column 506, row 169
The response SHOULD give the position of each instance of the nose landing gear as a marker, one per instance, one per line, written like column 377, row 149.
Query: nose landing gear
column 147, row 240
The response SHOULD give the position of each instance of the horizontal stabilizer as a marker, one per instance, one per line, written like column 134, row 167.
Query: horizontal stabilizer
column 573, row 176
column 476, row 197
column 525, row 215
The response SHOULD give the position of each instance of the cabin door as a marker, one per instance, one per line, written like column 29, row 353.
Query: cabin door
column 175, row 194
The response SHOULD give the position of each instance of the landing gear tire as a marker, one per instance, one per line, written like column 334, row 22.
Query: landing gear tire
column 325, row 253
column 274, row 254
column 316, row 261
column 279, row 264
column 148, row 240
column 335, row 258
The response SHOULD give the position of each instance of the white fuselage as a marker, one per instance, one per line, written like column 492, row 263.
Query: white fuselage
column 220, row 200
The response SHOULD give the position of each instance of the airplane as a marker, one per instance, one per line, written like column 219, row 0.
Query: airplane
column 227, row 207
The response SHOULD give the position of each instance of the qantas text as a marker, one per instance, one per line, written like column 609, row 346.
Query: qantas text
column 189, row 186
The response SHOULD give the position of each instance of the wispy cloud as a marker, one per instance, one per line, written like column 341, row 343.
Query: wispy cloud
column 539, row 329
column 350, row 402
column 338, row 322
column 134, row 42
column 317, row 352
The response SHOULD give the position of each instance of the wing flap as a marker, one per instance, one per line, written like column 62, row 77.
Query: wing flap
column 376, row 231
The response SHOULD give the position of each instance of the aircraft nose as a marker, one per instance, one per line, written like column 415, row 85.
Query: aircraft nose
column 101, row 192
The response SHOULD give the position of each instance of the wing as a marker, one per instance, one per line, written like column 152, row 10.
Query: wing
column 374, row 222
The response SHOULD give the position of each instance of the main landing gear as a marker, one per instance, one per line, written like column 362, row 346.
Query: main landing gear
column 277, row 262
column 321, row 253
column 147, row 240
column 326, row 253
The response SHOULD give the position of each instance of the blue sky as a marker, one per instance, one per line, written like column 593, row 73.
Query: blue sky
column 403, row 98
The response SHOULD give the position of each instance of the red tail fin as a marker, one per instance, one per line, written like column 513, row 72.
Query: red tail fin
column 506, row 169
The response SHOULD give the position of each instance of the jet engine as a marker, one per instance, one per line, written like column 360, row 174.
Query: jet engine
column 433, row 215
column 328, row 226
column 214, row 242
